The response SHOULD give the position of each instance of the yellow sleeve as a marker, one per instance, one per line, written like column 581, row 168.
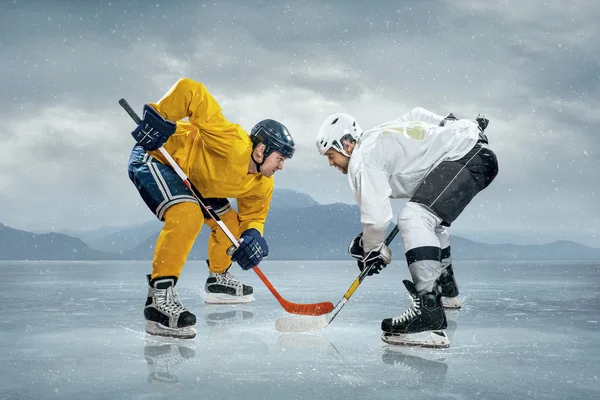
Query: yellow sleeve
column 188, row 98
column 191, row 99
column 254, row 207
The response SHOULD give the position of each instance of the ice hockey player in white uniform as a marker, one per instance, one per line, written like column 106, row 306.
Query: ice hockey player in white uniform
column 439, row 164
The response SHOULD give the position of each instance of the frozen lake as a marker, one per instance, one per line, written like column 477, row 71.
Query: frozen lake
column 75, row 331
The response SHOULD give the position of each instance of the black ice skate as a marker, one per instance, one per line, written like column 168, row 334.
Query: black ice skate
column 226, row 289
column 164, row 313
column 449, row 289
column 421, row 325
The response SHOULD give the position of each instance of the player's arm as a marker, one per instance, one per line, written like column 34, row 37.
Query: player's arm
column 375, row 207
column 252, row 212
column 372, row 190
column 188, row 99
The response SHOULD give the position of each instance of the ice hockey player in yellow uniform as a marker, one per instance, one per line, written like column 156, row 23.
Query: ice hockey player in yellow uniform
column 223, row 161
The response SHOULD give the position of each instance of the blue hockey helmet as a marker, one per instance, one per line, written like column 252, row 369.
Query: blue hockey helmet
column 275, row 136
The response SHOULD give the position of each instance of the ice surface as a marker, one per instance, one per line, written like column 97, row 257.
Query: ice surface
column 75, row 331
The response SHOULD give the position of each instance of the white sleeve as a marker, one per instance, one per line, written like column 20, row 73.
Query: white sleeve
column 373, row 236
column 421, row 114
column 373, row 194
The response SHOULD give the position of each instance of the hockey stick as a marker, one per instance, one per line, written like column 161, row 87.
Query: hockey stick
column 292, row 308
column 305, row 324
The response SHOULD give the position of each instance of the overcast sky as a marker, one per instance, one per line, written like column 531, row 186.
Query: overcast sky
column 531, row 67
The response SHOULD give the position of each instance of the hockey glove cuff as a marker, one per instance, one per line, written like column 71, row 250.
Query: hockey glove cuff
column 253, row 248
column 355, row 248
column 377, row 259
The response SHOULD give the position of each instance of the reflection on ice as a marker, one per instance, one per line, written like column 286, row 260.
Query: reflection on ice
column 221, row 316
column 310, row 344
column 68, row 332
column 419, row 368
column 164, row 360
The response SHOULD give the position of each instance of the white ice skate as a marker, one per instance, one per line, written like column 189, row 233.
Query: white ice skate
column 226, row 289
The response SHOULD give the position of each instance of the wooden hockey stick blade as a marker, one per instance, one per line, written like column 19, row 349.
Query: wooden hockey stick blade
column 295, row 308
column 308, row 323
column 301, row 324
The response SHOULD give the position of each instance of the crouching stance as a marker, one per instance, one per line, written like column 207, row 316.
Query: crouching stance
column 222, row 161
column 439, row 164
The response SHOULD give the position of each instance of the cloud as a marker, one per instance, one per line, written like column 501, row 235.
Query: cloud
column 531, row 67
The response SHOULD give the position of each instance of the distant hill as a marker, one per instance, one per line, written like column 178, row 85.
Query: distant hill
column 91, row 235
column 323, row 232
column 21, row 245
column 320, row 232
column 559, row 250
column 124, row 240
column 298, row 228
column 290, row 199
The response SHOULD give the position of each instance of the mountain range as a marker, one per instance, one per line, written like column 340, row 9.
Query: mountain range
column 297, row 228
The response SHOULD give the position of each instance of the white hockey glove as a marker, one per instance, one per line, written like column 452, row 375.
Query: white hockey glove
column 376, row 259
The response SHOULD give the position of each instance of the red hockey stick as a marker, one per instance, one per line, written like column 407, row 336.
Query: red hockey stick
column 292, row 308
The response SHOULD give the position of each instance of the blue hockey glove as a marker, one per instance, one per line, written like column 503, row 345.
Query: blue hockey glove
column 253, row 248
column 154, row 130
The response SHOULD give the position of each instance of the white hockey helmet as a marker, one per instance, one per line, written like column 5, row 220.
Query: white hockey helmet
column 335, row 128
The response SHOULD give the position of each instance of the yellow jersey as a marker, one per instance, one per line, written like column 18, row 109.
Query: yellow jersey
column 214, row 153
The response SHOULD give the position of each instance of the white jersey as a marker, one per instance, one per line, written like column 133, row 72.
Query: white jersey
column 391, row 160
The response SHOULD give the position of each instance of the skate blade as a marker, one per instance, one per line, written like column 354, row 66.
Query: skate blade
column 220, row 298
column 452, row 303
column 427, row 339
column 156, row 329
